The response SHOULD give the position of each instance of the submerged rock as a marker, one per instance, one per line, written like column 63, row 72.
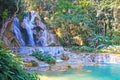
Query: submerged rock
column 64, row 57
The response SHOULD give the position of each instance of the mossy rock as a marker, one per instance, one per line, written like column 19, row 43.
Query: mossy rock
column 31, row 63
column 64, row 57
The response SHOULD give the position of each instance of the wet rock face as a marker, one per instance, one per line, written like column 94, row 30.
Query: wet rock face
column 59, row 53
column 64, row 57
column 102, row 58
column 66, row 60
column 54, row 51
column 32, row 31
column 35, row 28
column 95, row 58
column 77, row 61
column 8, row 36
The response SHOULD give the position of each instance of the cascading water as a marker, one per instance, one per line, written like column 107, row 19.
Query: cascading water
column 16, row 31
column 29, row 25
column 42, row 33
column 34, row 31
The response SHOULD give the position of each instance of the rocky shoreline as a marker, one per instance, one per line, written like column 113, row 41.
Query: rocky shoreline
column 65, row 59
column 75, row 61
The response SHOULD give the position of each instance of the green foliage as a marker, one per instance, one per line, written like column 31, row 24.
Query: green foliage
column 107, row 3
column 67, row 13
column 5, row 14
column 84, row 4
column 73, row 20
column 77, row 17
column 99, row 41
column 116, row 38
column 7, row 7
column 73, row 17
column 44, row 57
column 111, row 49
column 10, row 68
column 83, row 49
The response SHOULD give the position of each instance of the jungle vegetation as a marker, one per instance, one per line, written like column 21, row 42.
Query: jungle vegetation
column 80, row 24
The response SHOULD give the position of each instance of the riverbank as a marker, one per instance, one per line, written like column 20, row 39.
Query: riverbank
column 73, row 61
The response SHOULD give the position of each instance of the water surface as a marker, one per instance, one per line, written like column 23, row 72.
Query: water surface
column 103, row 72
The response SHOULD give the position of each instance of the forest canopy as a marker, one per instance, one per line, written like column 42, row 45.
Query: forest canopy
column 84, row 25
column 75, row 22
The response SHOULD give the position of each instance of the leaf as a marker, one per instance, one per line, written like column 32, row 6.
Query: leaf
column 11, row 72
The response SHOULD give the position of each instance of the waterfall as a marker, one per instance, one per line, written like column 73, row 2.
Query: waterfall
column 16, row 31
column 36, row 29
column 28, row 22
column 33, row 31
column 42, row 34
column 42, row 41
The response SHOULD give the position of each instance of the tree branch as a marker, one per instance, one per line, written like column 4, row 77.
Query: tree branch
column 5, row 23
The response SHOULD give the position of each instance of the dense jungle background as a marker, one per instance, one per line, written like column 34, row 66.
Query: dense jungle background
column 83, row 25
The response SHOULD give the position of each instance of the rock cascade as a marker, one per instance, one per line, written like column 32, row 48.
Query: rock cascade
column 30, row 32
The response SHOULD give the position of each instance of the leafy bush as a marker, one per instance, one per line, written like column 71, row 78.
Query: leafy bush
column 10, row 68
column 116, row 38
column 111, row 49
column 44, row 57
column 7, row 7
column 83, row 49
column 99, row 41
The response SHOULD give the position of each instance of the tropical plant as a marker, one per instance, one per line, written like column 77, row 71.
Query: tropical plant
column 99, row 41
column 111, row 49
column 11, row 67
column 115, row 40
column 83, row 48
column 44, row 57
column 73, row 20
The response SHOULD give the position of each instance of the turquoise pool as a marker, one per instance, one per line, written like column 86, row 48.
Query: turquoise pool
column 103, row 72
